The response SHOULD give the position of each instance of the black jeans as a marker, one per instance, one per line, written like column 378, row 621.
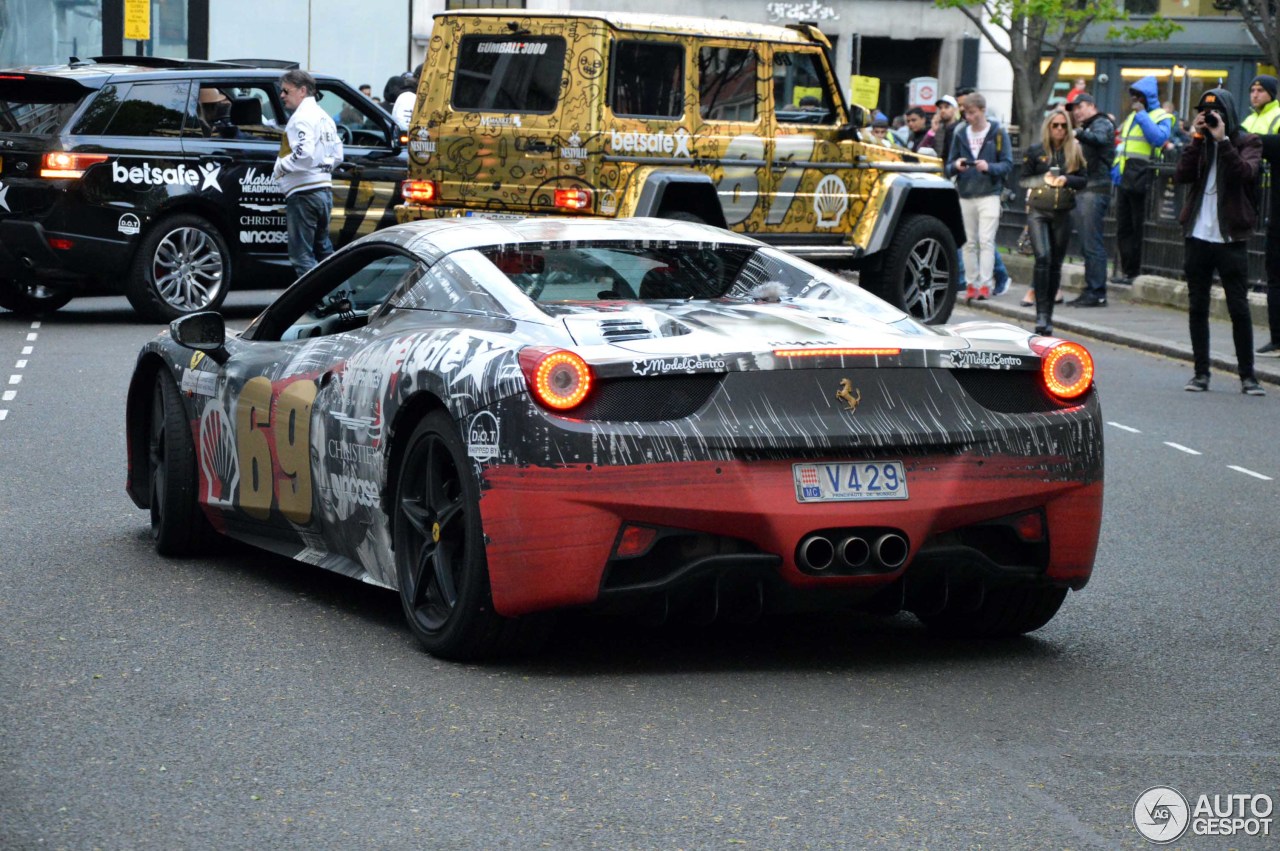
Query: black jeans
column 1231, row 261
column 1050, row 233
column 1131, row 219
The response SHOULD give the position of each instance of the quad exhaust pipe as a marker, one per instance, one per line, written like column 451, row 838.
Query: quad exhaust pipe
column 820, row 552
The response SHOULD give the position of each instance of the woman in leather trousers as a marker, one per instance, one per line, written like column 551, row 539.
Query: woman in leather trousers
column 1057, row 161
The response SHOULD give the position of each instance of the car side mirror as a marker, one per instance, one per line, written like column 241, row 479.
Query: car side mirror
column 859, row 118
column 205, row 332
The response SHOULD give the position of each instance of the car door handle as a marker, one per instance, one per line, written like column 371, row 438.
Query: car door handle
column 537, row 146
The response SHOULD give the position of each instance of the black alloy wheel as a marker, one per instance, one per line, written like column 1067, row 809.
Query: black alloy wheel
column 178, row 526
column 439, row 551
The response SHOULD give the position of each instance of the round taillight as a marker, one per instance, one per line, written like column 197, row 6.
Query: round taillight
column 558, row 379
column 1067, row 369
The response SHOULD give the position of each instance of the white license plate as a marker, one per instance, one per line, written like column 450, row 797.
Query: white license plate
column 498, row 217
column 849, row 481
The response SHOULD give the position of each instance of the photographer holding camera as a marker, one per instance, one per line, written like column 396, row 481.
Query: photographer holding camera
column 1221, row 165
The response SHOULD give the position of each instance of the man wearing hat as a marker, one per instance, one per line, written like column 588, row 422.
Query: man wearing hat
column 1096, row 135
column 945, row 121
column 1265, row 121
column 1142, row 135
column 1220, row 168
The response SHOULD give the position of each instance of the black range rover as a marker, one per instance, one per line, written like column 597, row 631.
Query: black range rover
column 152, row 177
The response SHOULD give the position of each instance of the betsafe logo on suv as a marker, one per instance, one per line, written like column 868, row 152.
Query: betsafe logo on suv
column 152, row 177
column 733, row 124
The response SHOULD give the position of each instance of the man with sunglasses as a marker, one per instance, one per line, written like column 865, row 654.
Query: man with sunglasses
column 309, row 152
column 1096, row 135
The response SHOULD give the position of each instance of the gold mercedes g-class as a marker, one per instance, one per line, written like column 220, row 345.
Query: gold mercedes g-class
column 733, row 124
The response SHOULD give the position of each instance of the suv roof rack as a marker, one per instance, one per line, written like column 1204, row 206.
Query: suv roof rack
column 160, row 62
column 282, row 64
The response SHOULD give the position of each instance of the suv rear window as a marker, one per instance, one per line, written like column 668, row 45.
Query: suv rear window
column 141, row 109
column 648, row 79
column 30, row 106
column 508, row 74
column 727, row 84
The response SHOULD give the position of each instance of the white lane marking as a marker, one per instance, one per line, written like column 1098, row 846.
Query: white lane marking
column 22, row 364
column 1129, row 429
column 1181, row 448
column 26, row 350
column 35, row 325
column 3, row 413
column 9, row 395
column 31, row 338
column 1248, row 472
column 15, row 379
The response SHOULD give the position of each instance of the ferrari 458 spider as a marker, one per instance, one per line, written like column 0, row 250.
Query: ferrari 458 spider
column 498, row 419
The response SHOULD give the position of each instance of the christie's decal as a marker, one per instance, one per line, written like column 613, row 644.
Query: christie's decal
column 984, row 360
column 662, row 366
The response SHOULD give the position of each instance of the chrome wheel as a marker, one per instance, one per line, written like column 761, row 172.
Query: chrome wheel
column 926, row 279
column 187, row 268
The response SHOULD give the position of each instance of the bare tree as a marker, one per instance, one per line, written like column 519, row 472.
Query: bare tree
column 1260, row 20
column 1026, row 32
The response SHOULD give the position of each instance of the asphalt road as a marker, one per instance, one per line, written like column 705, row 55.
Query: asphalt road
column 244, row 701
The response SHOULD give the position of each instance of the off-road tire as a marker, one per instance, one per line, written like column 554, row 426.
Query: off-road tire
column 919, row 270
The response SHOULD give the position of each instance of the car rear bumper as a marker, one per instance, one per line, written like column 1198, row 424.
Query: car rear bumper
column 27, row 253
column 552, row 532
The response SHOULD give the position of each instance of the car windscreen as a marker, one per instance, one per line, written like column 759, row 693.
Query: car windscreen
column 508, row 74
column 37, row 106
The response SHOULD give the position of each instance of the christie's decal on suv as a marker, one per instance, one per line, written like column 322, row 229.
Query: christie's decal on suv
column 984, row 360
column 206, row 177
column 673, row 144
column 661, row 366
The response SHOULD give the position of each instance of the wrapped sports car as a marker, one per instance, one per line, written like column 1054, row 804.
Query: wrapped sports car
column 498, row 419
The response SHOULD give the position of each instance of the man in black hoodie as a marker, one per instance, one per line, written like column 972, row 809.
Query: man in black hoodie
column 1221, row 165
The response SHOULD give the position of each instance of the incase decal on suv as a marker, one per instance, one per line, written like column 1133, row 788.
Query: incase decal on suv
column 146, row 174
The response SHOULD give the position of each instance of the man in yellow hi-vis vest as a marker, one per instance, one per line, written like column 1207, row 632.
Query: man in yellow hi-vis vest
column 1265, row 121
column 1142, row 135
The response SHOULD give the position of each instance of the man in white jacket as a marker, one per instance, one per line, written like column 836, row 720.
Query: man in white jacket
column 309, row 152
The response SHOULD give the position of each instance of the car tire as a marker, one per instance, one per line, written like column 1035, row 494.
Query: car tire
column 178, row 525
column 182, row 266
column 918, row 272
column 438, row 537
column 1003, row 613
column 31, row 299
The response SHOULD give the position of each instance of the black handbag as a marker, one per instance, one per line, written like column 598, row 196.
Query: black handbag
column 1051, row 199
column 1137, row 175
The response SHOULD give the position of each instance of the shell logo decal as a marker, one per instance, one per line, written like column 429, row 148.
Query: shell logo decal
column 830, row 200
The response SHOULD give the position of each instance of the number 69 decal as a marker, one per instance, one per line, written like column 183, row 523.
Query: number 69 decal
column 286, row 475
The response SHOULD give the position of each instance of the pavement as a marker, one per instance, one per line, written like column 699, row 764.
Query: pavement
column 1150, row 314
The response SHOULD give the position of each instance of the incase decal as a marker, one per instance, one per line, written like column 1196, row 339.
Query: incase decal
column 264, row 237
column 146, row 174
column 984, row 360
